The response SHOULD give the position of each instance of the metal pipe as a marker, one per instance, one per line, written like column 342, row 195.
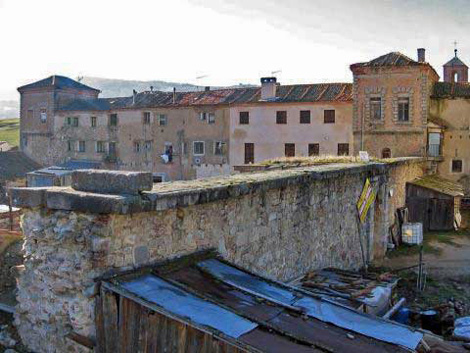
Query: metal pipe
column 394, row 308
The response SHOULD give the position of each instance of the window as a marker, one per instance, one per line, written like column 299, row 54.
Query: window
column 289, row 149
column 148, row 145
column 162, row 120
column 81, row 146
column 112, row 148
column 100, row 147
column 211, row 118
column 329, row 116
column 343, row 149
column 113, row 119
column 70, row 146
column 137, row 146
column 244, row 118
column 376, row 108
column 305, row 116
column 198, row 148
column 456, row 166
column 219, row 148
column 30, row 114
column 43, row 115
column 93, row 121
column 281, row 117
column 386, row 153
column 184, row 148
column 202, row 116
column 72, row 121
column 146, row 118
column 249, row 153
column 313, row 149
column 403, row 109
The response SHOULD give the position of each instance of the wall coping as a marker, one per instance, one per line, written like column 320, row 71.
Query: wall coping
column 177, row 194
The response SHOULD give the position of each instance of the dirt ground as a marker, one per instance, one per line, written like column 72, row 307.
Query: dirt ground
column 447, row 266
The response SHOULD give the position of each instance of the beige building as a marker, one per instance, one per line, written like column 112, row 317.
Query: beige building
column 292, row 120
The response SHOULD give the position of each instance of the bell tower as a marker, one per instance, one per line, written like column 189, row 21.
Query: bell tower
column 455, row 69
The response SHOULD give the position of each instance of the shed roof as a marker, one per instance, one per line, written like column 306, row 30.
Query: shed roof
column 304, row 93
column 57, row 81
column 439, row 184
column 209, row 291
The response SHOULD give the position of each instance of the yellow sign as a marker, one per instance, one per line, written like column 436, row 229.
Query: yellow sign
column 365, row 200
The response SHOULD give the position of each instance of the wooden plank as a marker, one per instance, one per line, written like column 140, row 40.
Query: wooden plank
column 100, row 332
column 110, row 321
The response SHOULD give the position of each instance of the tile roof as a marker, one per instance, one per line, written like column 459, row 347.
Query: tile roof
column 455, row 61
column 201, row 290
column 57, row 82
column 15, row 164
column 451, row 90
column 439, row 184
column 323, row 92
column 390, row 59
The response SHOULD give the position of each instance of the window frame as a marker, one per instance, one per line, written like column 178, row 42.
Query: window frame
column 401, row 109
column 317, row 147
column 221, row 149
column 211, row 118
column 303, row 119
column 81, row 143
column 288, row 146
column 327, row 119
column 162, row 119
column 203, row 148
column 93, row 121
column 244, row 118
column 112, row 151
column 374, row 104
column 340, row 145
column 281, row 117
column 113, row 120
column 452, row 166
column 102, row 144
column 249, row 158
column 146, row 118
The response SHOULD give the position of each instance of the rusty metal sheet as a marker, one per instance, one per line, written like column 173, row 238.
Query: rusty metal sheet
column 330, row 337
column 222, row 293
column 273, row 343
column 325, row 311
column 184, row 304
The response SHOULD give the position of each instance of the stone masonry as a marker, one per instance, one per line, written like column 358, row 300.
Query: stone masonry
column 279, row 224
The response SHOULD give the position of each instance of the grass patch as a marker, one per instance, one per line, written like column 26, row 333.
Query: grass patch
column 10, row 131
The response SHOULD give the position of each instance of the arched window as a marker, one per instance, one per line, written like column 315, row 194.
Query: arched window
column 386, row 153
column 455, row 76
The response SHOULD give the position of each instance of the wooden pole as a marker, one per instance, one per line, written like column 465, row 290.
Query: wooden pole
column 10, row 210
column 359, row 233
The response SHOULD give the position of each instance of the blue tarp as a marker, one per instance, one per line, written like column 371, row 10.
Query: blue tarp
column 184, row 304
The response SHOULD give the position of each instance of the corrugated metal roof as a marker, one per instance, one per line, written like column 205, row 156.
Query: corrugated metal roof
column 275, row 314
column 57, row 81
column 439, row 184
column 324, row 92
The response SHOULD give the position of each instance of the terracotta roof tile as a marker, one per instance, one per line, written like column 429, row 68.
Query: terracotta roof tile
column 451, row 90
column 325, row 92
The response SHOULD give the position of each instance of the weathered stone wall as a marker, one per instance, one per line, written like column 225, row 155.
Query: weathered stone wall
column 279, row 224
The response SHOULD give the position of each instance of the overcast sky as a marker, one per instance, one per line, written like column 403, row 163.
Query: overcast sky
column 230, row 41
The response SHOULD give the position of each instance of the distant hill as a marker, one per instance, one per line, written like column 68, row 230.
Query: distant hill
column 9, row 109
column 112, row 88
column 121, row 88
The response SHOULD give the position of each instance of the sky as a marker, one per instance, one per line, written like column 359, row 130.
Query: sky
column 225, row 41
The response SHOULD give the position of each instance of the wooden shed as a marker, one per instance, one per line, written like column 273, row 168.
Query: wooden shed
column 206, row 305
column 434, row 202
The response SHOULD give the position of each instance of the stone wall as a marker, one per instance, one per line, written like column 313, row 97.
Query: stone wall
column 279, row 224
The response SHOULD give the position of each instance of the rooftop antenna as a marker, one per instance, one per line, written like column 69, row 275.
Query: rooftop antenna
column 79, row 78
column 275, row 72
column 455, row 48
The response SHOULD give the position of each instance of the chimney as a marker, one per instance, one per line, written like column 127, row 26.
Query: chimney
column 207, row 88
column 268, row 88
column 421, row 55
column 174, row 95
column 151, row 88
column 134, row 95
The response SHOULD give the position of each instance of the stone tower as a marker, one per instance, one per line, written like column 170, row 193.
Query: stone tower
column 455, row 70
